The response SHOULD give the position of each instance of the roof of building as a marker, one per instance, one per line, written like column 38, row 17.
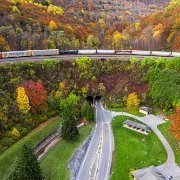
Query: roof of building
column 145, row 108
column 137, row 125
column 149, row 173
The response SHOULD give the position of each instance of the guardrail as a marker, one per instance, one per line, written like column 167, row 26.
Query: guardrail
column 40, row 147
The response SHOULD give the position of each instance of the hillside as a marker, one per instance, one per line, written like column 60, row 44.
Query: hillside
column 159, row 31
column 44, row 24
column 129, row 10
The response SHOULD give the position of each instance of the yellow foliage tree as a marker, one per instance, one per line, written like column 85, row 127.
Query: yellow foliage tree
column 4, row 46
column 15, row 133
column 137, row 26
column 23, row 100
column 55, row 9
column 118, row 40
column 102, row 23
column 132, row 101
column 52, row 25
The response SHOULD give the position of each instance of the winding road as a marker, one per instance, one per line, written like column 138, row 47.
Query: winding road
column 98, row 158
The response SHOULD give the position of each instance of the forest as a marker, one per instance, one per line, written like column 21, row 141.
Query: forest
column 32, row 92
column 46, row 24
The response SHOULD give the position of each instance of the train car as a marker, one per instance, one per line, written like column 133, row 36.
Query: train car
column 124, row 52
column 64, row 52
column 73, row 51
column 161, row 53
column 68, row 52
column 139, row 52
column 47, row 52
column 0, row 55
column 106, row 51
column 84, row 52
column 12, row 54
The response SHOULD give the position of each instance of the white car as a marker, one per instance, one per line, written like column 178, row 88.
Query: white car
column 169, row 177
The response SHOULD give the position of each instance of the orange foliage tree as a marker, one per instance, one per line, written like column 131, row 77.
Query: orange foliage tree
column 37, row 96
column 175, row 118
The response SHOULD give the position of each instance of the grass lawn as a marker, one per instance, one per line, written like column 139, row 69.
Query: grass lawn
column 175, row 145
column 134, row 112
column 54, row 164
column 134, row 150
column 8, row 157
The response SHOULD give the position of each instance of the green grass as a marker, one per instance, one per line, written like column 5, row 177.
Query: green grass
column 54, row 164
column 131, row 152
column 8, row 157
column 175, row 145
column 134, row 112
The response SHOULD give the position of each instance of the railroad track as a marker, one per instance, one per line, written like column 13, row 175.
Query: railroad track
column 72, row 57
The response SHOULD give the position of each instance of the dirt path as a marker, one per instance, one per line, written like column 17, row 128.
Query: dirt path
column 44, row 124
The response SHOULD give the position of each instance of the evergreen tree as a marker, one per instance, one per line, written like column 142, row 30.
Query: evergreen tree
column 84, row 109
column 90, row 113
column 26, row 166
column 69, row 128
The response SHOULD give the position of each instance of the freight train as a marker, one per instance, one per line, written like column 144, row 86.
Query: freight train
column 54, row 52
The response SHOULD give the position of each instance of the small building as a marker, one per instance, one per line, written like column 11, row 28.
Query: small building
column 149, row 173
column 145, row 110
column 142, row 128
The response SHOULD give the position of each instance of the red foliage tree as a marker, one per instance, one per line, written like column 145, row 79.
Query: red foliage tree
column 37, row 95
column 175, row 118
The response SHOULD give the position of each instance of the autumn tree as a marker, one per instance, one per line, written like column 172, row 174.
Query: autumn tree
column 52, row 25
column 26, row 166
column 15, row 133
column 55, row 9
column 23, row 100
column 63, row 88
column 92, row 41
column 37, row 95
column 157, row 32
column 118, row 40
column 84, row 64
column 175, row 128
column 4, row 46
column 132, row 101
column 102, row 23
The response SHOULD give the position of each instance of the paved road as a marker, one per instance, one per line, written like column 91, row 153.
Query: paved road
column 71, row 57
column 97, row 161
column 169, row 168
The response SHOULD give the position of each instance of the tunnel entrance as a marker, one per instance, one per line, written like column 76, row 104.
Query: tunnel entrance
column 97, row 98
column 90, row 99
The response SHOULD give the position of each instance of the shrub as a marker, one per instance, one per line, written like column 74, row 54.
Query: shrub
column 15, row 133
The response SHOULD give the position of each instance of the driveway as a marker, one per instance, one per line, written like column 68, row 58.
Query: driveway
column 169, row 168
